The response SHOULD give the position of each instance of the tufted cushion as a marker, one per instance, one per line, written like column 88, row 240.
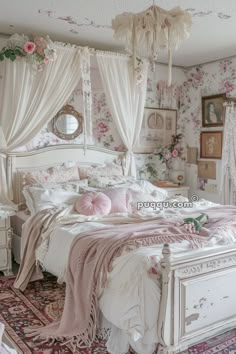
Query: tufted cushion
column 93, row 203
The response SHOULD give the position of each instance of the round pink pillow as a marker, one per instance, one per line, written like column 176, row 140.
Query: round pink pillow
column 93, row 203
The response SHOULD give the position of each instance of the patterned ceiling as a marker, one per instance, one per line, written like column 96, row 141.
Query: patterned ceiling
column 88, row 22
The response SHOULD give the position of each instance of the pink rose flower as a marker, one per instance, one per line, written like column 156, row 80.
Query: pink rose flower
column 228, row 86
column 46, row 60
column 29, row 47
column 102, row 127
column 175, row 153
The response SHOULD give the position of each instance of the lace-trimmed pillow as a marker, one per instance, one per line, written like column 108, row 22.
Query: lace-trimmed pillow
column 50, row 175
column 109, row 169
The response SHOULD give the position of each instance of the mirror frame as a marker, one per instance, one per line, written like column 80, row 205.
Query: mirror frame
column 68, row 109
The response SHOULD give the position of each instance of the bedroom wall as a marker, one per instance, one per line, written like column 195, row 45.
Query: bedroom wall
column 185, row 95
column 209, row 79
column 104, row 131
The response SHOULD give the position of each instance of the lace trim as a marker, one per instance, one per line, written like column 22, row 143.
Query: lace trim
column 87, row 93
column 112, row 54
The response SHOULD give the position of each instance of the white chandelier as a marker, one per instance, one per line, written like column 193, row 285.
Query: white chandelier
column 146, row 32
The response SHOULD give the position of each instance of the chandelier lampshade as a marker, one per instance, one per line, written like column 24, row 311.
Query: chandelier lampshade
column 147, row 32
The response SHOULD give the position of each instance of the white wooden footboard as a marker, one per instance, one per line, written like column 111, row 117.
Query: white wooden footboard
column 198, row 297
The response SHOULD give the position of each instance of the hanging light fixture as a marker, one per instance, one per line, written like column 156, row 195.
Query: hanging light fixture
column 146, row 32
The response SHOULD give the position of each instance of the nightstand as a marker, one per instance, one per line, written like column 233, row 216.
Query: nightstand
column 174, row 191
column 177, row 191
column 5, row 246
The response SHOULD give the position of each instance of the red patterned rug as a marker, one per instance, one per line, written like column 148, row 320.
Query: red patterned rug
column 42, row 303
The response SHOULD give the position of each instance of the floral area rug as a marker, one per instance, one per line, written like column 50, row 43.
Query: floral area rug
column 42, row 302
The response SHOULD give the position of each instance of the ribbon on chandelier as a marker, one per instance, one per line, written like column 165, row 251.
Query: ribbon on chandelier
column 146, row 32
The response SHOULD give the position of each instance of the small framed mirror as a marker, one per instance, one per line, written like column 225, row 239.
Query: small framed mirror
column 68, row 123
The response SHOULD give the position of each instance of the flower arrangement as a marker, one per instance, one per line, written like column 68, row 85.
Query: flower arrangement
column 38, row 51
column 171, row 151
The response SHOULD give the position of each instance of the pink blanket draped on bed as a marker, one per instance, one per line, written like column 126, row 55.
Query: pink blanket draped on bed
column 90, row 257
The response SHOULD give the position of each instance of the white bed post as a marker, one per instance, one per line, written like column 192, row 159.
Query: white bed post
column 165, row 277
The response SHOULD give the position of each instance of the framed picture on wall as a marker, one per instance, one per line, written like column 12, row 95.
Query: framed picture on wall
column 211, row 144
column 157, row 129
column 213, row 110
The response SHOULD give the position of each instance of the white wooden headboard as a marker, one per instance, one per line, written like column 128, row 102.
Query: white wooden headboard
column 53, row 156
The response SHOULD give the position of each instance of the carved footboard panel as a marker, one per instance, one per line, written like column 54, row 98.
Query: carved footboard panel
column 198, row 297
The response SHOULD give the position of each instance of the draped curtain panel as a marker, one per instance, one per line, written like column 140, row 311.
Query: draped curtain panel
column 125, row 98
column 29, row 100
column 228, row 178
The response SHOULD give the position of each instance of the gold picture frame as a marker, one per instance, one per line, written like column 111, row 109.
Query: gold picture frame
column 213, row 110
column 211, row 144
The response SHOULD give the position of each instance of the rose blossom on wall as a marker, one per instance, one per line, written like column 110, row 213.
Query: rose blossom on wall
column 101, row 129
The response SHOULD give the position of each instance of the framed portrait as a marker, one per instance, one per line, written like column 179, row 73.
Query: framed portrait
column 211, row 144
column 213, row 110
column 157, row 129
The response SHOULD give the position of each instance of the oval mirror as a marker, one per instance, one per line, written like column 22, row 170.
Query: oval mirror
column 68, row 123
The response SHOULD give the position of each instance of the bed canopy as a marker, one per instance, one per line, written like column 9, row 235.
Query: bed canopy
column 38, row 75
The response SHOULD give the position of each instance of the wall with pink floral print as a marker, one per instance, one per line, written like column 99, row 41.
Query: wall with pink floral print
column 204, row 80
column 189, row 85
column 104, row 131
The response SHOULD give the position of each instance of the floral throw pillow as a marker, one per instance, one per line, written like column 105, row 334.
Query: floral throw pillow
column 73, row 186
column 109, row 169
column 50, row 175
column 109, row 181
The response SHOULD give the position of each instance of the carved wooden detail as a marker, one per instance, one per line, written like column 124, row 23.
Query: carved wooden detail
column 207, row 266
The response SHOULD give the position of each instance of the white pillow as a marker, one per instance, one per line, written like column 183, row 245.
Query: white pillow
column 147, row 187
column 141, row 202
column 38, row 198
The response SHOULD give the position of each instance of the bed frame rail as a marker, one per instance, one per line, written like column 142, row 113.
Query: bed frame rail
column 198, row 297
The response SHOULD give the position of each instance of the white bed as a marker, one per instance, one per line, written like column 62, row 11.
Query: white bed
column 197, row 289
column 17, row 222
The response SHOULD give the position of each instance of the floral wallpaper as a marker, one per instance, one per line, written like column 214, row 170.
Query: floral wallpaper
column 105, row 133
column 204, row 80
column 185, row 93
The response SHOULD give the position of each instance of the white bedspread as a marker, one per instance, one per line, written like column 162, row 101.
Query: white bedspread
column 130, row 302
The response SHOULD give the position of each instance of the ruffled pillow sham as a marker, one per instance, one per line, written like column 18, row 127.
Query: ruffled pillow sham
column 38, row 198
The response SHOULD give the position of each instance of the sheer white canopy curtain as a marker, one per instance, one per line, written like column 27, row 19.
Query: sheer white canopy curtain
column 126, row 99
column 29, row 100
column 228, row 178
